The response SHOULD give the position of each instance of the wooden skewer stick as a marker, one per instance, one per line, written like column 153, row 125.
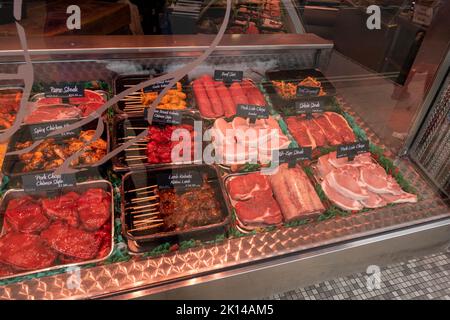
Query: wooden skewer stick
column 135, row 149
column 146, row 206
column 137, row 128
column 146, row 228
column 146, row 192
column 143, row 188
column 145, row 211
column 145, row 198
column 146, row 222
column 146, row 215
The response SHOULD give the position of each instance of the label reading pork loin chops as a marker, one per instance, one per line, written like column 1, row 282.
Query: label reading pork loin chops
column 294, row 155
column 309, row 107
column 162, row 116
column 42, row 130
column 47, row 181
column 252, row 112
column 179, row 179
column 305, row 91
column 64, row 90
column 157, row 87
column 351, row 150
column 228, row 76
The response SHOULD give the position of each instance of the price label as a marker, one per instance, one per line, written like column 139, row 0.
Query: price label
column 309, row 107
column 162, row 116
column 47, row 181
column 228, row 75
column 157, row 87
column 252, row 112
column 294, row 155
column 351, row 150
column 41, row 130
column 303, row 91
column 179, row 179
column 64, row 90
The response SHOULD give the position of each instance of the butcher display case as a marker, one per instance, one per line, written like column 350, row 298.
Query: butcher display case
column 354, row 171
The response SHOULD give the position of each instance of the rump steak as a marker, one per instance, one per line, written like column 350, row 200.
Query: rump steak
column 243, row 187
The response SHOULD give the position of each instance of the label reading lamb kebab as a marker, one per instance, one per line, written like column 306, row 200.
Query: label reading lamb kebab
column 179, row 179
column 253, row 112
column 228, row 76
column 351, row 150
column 64, row 90
column 309, row 107
column 47, row 181
column 162, row 116
column 42, row 130
column 294, row 155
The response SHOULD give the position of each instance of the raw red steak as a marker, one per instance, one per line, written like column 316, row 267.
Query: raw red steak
column 262, row 209
column 25, row 251
column 25, row 215
column 94, row 208
column 64, row 208
column 243, row 187
column 71, row 241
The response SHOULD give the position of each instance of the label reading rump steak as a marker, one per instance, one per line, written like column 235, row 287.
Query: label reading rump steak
column 179, row 179
column 64, row 90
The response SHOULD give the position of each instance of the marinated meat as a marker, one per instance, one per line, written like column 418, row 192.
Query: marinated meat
column 243, row 187
column 6, row 270
column 25, row 215
column 261, row 209
column 71, row 241
column 94, row 208
column 25, row 251
column 63, row 207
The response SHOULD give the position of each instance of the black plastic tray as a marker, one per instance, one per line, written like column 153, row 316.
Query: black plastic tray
column 287, row 106
column 13, row 166
column 144, row 241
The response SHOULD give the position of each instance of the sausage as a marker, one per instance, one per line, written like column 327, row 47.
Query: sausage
column 253, row 94
column 201, row 97
column 238, row 94
column 228, row 105
column 214, row 99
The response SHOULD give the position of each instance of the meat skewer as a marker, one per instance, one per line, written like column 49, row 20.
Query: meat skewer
column 145, row 215
column 146, row 228
column 145, row 198
column 144, row 188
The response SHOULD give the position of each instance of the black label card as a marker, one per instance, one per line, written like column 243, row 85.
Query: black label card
column 47, row 181
column 228, row 75
column 64, row 90
column 303, row 91
column 294, row 154
column 41, row 130
column 162, row 116
column 157, row 87
column 309, row 107
column 179, row 179
column 252, row 111
column 353, row 149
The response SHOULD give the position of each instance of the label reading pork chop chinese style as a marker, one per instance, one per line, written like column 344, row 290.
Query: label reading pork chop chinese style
column 162, row 116
column 294, row 155
column 64, row 90
column 228, row 76
column 179, row 179
column 252, row 112
column 351, row 150
column 42, row 130
column 309, row 107
column 47, row 181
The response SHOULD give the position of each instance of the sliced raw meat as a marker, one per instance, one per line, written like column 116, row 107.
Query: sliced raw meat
column 25, row 215
column 393, row 186
column 374, row 201
column 243, row 187
column 346, row 185
column 361, row 159
column 94, row 208
column 25, row 251
column 71, row 241
column 64, row 208
column 89, row 96
column 300, row 133
column 47, row 113
column 261, row 209
column 375, row 178
column 400, row 198
column 341, row 126
column 316, row 132
column 332, row 135
column 89, row 107
column 324, row 166
column 339, row 200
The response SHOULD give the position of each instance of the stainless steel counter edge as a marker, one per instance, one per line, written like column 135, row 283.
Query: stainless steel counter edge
column 302, row 268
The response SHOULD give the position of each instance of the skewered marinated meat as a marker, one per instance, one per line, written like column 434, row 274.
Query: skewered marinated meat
column 63, row 207
column 94, row 207
column 193, row 208
column 51, row 153
column 6, row 270
column 25, row 251
column 25, row 215
column 353, row 185
column 71, row 241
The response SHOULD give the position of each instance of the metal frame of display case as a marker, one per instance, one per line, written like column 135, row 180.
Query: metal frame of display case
column 251, row 266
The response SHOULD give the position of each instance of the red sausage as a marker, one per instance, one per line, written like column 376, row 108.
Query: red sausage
column 238, row 94
column 201, row 97
column 253, row 94
column 214, row 99
column 227, row 101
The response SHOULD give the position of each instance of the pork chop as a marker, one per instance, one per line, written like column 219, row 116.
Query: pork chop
column 64, row 208
column 25, row 215
column 94, row 209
